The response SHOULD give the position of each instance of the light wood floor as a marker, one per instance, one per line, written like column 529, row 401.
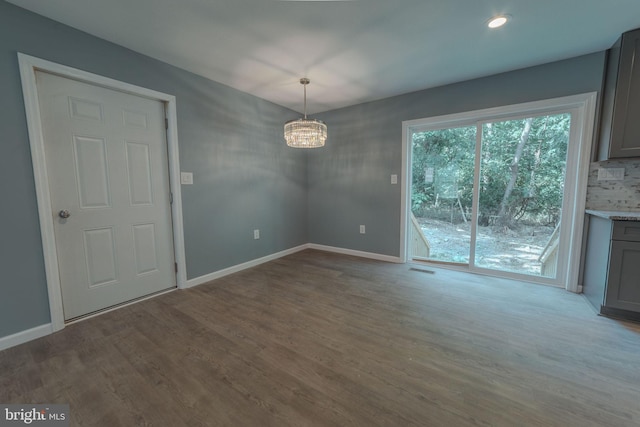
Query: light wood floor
column 318, row 339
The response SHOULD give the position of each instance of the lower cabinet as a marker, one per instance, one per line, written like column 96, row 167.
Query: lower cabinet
column 611, row 278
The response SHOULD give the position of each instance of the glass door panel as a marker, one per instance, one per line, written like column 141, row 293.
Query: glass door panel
column 443, row 164
column 521, row 187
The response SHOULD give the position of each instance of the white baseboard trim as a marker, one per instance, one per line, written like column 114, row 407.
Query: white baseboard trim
column 245, row 265
column 361, row 254
column 25, row 336
column 236, row 268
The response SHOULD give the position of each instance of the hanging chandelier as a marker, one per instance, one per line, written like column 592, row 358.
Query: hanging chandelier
column 304, row 132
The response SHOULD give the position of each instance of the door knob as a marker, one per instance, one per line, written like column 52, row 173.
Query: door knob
column 64, row 214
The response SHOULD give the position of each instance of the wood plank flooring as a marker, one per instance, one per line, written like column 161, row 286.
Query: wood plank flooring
column 319, row 339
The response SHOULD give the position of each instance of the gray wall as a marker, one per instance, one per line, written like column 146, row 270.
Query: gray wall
column 349, row 180
column 245, row 176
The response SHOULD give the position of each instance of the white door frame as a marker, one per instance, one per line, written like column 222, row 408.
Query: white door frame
column 28, row 67
column 583, row 105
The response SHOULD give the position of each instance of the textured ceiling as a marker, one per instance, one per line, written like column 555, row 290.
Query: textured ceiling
column 353, row 51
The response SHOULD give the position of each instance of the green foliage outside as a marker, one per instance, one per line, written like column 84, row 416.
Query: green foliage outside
column 443, row 170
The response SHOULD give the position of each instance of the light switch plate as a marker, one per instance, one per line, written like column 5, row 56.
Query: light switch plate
column 394, row 179
column 186, row 178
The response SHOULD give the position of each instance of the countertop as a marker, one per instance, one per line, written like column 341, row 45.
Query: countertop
column 615, row 215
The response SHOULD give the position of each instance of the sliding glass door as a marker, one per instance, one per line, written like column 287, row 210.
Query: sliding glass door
column 496, row 192
column 521, row 189
column 442, row 193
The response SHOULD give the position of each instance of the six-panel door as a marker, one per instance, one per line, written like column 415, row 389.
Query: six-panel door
column 108, row 172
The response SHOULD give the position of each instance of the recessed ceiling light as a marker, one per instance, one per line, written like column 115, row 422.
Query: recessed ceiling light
column 498, row 21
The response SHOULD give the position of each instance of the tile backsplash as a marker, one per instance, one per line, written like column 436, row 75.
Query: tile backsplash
column 615, row 195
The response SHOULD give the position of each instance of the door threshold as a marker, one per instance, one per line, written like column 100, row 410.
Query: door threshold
column 423, row 261
column 117, row 306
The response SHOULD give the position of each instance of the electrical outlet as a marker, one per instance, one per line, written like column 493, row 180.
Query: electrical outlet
column 362, row 230
column 603, row 174
column 256, row 234
column 394, row 179
column 610, row 174
column 618, row 174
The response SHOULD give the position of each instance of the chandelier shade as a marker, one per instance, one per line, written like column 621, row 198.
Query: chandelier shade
column 304, row 132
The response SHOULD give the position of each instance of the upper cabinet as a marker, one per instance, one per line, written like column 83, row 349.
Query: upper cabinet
column 620, row 126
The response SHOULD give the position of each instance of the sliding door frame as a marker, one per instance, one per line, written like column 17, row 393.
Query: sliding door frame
column 582, row 108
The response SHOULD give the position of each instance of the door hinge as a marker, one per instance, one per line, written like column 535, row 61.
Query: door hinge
column 176, row 266
column 166, row 123
column 170, row 198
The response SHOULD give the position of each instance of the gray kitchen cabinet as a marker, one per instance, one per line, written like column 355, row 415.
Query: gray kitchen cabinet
column 611, row 278
column 620, row 124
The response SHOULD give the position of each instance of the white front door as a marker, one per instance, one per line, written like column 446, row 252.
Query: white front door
column 107, row 168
